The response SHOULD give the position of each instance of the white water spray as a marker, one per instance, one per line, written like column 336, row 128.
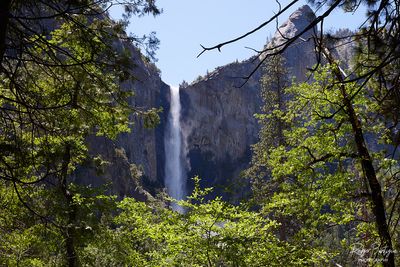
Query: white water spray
column 174, row 173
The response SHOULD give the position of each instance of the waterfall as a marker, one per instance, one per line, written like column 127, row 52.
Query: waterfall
column 174, row 172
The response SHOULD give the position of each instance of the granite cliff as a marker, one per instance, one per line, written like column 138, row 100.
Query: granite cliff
column 134, row 160
column 218, row 113
column 217, row 120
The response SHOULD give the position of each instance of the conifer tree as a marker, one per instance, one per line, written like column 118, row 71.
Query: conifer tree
column 60, row 81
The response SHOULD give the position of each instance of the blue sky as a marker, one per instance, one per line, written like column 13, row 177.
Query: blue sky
column 185, row 24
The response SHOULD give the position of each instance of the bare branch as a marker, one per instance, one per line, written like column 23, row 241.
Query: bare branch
column 219, row 46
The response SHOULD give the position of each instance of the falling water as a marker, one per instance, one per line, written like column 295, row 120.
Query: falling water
column 174, row 174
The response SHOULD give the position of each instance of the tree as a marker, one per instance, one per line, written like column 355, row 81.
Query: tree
column 326, row 175
column 377, row 41
column 29, row 240
column 209, row 233
column 23, row 19
column 61, row 81
column 53, row 53
column 133, row 233
column 380, row 29
column 274, row 81
column 370, row 171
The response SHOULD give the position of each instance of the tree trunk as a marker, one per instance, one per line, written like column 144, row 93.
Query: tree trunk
column 378, row 206
column 4, row 18
column 69, row 233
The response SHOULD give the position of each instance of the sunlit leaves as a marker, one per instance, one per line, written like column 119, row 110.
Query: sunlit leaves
column 209, row 232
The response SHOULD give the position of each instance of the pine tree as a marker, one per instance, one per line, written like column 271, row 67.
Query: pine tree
column 61, row 78
column 274, row 81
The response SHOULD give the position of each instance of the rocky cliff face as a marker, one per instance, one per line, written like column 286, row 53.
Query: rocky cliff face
column 300, row 55
column 218, row 122
column 217, row 119
column 136, row 159
column 218, row 114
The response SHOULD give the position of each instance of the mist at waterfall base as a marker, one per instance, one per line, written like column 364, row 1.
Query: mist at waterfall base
column 175, row 176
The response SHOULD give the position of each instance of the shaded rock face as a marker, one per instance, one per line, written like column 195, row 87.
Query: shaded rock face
column 145, row 147
column 217, row 121
column 218, row 115
column 138, row 153
column 301, row 54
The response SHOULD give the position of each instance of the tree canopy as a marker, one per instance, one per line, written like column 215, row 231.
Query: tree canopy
column 61, row 75
column 325, row 173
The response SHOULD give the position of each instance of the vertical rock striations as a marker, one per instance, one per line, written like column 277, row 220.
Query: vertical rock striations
column 217, row 120
column 218, row 114
column 300, row 55
column 136, row 159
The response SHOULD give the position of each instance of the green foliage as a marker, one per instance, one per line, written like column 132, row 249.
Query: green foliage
column 311, row 192
column 36, row 237
column 57, row 88
column 132, row 233
column 316, row 187
column 274, row 81
column 208, row 233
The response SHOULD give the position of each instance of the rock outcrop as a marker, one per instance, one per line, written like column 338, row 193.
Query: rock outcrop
column 218, row 113
column 134, row 160
column 300, row 55
column 217, row 119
